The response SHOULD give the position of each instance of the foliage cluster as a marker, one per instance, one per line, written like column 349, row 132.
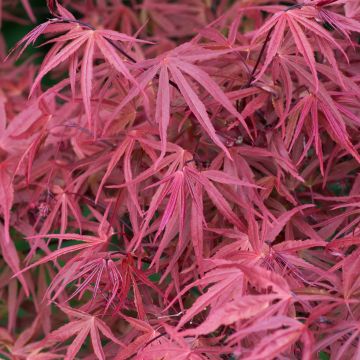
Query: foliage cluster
column 179, row 180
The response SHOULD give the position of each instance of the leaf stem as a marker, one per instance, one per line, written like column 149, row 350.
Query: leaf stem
column 252, row 75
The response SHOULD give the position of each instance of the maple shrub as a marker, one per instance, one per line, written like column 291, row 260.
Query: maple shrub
column 180, row 180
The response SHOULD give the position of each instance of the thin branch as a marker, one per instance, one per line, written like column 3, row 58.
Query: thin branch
column 124, row 253
column 252, row 75
column 267, row 39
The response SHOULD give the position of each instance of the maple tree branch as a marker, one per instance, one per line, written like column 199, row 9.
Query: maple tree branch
column 252, row 75
column 267, row 39
column 154, row 339
column 124, row 253
column 239, row 104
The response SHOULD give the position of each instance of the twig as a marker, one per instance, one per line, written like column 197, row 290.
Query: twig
column 267, row 39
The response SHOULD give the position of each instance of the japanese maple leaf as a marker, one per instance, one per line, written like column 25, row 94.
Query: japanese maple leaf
column 240, row 308
column 22, row 345
column 295, row 20
column 178, row 347
column 62, row 204
column 229, row 302
column 281, row 257
column 281, row 332
column 178, row 65
column 109, row 277
column 78, row 40
column 345, row 218
column 82, row 326
column 124, row 150
column 288, row 258
column 189, row 183
column 343, row 24
column 320, row 107
column 88, row 41
column 25, row 4
column 85, row 269
column 6, row 201
column 225, row 283
column 6, row 197
column 87, row 242
column 349, row 287
column 131, row 276
column 148, row 335
column 342, row 340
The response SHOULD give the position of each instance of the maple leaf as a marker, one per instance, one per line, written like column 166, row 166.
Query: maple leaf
column 6, row 198
column 149, row 336
column 87, row 39
column 341, row 339
column 87, row 243
column 25, row 4
column 222, row 290
column 6, row 244
column 181, row 348
column 295, row 19
column 75, row 41
column 84, row 326
column 180, row 185
column 278, row 340
column 311, row 105
column 179, row 63
column 125, row 149
column 233, row 311
column 21, row 345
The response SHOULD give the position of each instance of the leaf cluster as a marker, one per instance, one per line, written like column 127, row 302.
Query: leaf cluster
column 187, row 184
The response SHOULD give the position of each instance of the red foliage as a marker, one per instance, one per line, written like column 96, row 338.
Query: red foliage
column 188, row 188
